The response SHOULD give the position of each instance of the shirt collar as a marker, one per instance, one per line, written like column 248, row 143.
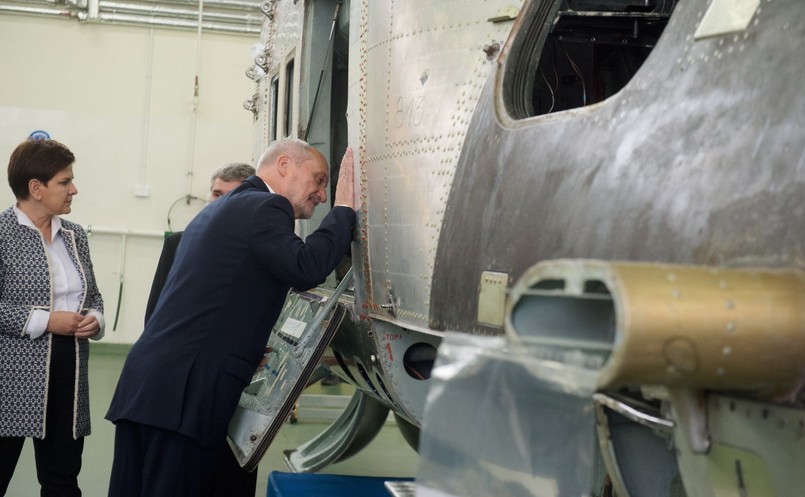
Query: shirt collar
column 24, row 220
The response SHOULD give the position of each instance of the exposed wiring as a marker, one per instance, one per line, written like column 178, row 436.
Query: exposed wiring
column 578, row 73
column 553, row 97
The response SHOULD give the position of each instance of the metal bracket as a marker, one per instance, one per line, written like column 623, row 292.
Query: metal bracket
column 689, row 408
column 251, row 103
column 255, row 73
column 392, row 303
column 267, row 8
column 263, row 59
column 635, row 411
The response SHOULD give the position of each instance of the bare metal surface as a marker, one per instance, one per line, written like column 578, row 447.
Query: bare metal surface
column 699, row 159
column 418, row 72
column 357, row 425
column 755, row 447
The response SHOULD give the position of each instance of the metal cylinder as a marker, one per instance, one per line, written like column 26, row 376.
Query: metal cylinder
column 694, row 326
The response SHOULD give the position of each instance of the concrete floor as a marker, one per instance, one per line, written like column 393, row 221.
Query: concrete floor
column 387, row 455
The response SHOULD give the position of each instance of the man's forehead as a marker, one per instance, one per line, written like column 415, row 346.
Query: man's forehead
column 223, row 187
column 219, row 181
column 318, row 164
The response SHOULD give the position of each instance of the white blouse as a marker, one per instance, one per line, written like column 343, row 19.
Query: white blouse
column 66, row 281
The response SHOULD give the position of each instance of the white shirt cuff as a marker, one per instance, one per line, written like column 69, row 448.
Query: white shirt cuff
column 37, row 324
column 101, row 322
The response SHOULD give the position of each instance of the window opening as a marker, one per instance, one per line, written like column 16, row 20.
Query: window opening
column 580, row 52
column 274, row 97
column 289, row 69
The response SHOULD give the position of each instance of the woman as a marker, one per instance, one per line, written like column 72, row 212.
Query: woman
column 49, row 307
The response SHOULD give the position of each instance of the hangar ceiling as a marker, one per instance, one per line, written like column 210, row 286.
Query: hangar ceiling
column 226, row 16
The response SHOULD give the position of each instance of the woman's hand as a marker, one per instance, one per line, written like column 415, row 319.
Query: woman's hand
column 73, row 324
column 88, row 327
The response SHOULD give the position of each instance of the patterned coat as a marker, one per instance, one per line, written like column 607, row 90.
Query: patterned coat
column 25, row 285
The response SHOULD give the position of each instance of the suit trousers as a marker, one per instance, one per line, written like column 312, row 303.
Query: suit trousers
column 58, row 455
column 153, row 462
column 230, row 479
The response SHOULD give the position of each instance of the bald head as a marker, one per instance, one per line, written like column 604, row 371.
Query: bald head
column 299, row 150
column 298, row 172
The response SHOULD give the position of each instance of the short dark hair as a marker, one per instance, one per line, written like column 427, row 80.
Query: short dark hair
column 234, row 171
column 36, row 159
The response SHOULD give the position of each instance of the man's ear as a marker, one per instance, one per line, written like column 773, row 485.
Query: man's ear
column 283, row 162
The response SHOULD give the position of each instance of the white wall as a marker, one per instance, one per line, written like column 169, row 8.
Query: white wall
column 122, row 99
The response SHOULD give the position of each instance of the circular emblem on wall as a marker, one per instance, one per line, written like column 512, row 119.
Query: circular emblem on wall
column 39, row 135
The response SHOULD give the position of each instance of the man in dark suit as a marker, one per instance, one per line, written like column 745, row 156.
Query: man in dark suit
column 224, row 179
column 238, row 258
column 230, row 479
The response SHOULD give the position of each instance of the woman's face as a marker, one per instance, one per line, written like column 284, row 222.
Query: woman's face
column 57, row 195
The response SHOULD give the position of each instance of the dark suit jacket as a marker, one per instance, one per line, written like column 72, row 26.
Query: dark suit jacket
column 163, row 267
column 234, row 267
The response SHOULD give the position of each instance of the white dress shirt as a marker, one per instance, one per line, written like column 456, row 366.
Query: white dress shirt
column 65, row 280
